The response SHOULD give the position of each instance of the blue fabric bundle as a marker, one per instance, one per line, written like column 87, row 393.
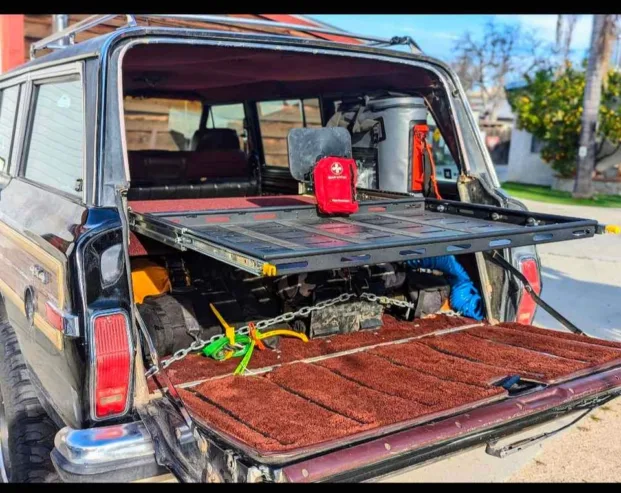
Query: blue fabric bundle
column 465, row 298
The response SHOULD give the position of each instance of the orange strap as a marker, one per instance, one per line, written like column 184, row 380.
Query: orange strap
column 254, row 336
column 419, row 134
column 433, row 171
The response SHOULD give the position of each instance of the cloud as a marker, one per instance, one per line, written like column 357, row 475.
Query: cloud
column 545, row 27
column 444, row 35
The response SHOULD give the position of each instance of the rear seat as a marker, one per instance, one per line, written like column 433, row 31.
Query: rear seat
column 218, row 168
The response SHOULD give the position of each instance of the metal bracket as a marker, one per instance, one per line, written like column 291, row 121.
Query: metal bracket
column 55, row 41
column 515, row 447
column 500, row 260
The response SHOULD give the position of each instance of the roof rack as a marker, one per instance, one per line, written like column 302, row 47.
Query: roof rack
column 66, row 37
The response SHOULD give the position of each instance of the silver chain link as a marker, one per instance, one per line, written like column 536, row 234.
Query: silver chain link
column 199, row 344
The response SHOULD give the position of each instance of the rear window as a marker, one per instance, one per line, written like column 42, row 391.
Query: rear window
column 161, row 124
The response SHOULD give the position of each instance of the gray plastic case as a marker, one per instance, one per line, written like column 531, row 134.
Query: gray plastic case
column 387, row 166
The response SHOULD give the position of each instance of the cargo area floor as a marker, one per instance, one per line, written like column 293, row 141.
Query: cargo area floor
column 313, row 396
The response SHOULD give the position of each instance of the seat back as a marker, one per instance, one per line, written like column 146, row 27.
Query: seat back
column 210, row 139
column 199, row 174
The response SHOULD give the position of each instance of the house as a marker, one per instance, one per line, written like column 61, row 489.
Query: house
column 19, row 31
column 496, row 128
column 525, row 165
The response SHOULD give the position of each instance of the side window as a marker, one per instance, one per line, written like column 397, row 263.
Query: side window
column 446, row 168
column 8, row 111
column 228, row 116
column 55, row 150
column 276, row 118
column 161, row 124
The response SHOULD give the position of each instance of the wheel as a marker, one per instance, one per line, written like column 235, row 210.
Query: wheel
column 26, row 431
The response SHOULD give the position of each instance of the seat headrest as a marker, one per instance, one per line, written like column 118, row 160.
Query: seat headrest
column 212, row 139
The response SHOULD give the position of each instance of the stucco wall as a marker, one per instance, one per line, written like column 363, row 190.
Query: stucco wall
column 525, row 166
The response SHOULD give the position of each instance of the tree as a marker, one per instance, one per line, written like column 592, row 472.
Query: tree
column 487, row 63
column 599, row 54
column 549, row 106
column 565, row 24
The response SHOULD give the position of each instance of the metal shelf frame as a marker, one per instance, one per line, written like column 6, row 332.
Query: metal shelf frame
column 270, row 241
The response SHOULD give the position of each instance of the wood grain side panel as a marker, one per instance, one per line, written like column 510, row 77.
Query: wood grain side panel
column 17, row 255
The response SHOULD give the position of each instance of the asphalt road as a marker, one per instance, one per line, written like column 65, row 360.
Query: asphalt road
column 582, row 280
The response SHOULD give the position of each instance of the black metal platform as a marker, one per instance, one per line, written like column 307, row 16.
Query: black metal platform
column 283, row 240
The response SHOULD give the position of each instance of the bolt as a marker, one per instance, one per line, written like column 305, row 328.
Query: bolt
column 495, row 216
column 387, row 446
column 304, row 473
column 441, row 208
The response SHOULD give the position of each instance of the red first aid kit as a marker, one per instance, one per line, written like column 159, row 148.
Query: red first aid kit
column 334, row 180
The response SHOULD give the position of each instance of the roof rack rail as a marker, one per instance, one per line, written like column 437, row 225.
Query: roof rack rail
column 65, row 37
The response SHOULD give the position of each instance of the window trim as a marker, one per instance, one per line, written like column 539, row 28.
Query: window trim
column 14, row 134
column 65, row 74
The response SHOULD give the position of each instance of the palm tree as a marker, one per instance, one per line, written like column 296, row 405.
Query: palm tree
column 604, row 27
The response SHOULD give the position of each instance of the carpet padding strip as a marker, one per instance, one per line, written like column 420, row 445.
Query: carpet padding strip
column 309, row 404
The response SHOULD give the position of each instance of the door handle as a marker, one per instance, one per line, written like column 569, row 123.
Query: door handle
column 40, row 273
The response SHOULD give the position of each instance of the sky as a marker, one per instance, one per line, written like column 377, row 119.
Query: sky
column 437, row 34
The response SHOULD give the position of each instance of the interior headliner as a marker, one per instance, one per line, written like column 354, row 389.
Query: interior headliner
column 225, row 74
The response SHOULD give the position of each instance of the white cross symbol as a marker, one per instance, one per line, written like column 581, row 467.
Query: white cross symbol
column 337, row 169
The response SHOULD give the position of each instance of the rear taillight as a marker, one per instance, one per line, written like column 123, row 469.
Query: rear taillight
column 526, row 309
column 111, row 364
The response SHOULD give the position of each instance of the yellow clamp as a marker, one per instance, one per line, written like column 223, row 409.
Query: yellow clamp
column 613, row 229
column 269, row 270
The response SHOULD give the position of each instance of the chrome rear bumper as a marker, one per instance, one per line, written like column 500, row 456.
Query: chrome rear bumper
column 118, row 453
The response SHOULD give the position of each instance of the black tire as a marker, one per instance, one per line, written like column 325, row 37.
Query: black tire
column 30, row 430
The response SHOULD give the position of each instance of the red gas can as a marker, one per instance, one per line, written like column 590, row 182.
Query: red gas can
column 334, row 181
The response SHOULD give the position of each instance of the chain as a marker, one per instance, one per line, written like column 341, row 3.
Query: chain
column 199, row 344
column 385, row 300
